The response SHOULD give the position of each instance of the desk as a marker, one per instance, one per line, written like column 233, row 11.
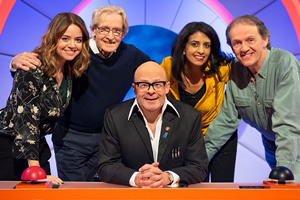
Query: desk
column 99, row 190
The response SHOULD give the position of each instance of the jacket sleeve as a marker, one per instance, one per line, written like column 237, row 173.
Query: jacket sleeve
column 27, row 111
column 111, row 168
column 196, row 161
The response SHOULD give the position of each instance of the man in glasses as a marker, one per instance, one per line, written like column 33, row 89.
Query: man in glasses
column 106, row 82
column 151, row 141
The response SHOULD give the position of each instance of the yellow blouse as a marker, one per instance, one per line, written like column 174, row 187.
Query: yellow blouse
column 211, row 101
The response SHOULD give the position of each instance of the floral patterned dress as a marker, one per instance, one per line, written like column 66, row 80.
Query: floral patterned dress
column 31, row 111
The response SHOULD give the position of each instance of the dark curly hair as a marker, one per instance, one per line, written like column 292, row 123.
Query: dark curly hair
column 216, row 57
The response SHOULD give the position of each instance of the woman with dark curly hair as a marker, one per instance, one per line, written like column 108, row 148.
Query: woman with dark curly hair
column 198, row 71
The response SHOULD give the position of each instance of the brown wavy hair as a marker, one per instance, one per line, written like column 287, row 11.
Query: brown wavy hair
column 47, row 50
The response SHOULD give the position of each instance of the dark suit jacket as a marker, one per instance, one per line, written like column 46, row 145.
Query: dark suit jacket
column 125, row 145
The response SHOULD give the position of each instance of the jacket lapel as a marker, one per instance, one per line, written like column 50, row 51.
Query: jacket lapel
column 165, row 134
column 138, row 122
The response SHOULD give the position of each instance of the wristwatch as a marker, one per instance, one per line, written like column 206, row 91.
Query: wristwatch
column 171, row 178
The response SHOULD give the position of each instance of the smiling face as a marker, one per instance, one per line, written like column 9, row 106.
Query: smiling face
column 248, row 45
column 150, row 101
column 70, row 44
column 108, row 43
column 197, row 49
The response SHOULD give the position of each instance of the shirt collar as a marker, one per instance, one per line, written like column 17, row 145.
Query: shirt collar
column 95, row 49
column 167, row 103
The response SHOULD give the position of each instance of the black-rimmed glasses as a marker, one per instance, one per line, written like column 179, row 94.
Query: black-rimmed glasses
column 106, row 30
column 157, row 86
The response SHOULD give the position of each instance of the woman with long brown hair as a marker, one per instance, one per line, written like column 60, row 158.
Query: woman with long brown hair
column 40, row 96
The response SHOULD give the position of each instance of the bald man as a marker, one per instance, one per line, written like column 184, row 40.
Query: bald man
column 150, row 141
